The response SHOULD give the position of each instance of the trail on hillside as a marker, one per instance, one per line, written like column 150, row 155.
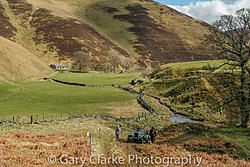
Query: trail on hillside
column 4, row 80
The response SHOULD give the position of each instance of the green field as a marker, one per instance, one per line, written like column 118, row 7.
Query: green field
column 194, row 64
column 198, row 65
column 53, row 98
column 96, row 78
column 238, row 135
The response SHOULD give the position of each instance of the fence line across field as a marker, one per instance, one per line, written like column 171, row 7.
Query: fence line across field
column 42, row 118
column 37, row 119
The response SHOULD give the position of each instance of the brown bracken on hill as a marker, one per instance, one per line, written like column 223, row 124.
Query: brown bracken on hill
column 154, row 42
column 157, row 33
column 7, row 30
column 67, row 36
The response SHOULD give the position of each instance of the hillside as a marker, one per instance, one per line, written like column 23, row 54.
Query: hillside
column 148, row 29
column 143, row 30
column 17, row 63
column 195, row 91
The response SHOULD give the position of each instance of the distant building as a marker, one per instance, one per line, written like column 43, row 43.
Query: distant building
column 59, row 66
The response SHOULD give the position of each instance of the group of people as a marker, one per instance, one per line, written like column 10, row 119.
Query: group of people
column 152, row 133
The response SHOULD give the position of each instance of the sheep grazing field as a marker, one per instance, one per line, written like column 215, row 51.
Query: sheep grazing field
column 47, row 99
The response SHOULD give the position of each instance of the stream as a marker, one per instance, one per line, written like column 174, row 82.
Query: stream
column 176, row 117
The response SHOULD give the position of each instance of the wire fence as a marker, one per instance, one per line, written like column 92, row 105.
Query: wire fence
column 38, row 118
column 43, row 118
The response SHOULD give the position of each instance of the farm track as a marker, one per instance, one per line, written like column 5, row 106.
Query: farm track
column 4, row 80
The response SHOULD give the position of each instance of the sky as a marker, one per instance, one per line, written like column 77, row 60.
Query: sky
column 206, row 10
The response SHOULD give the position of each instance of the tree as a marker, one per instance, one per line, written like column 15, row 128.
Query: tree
column 82, row 60
column 229, row 38
column 114, row 60
column 127, row 64
column 107, row 67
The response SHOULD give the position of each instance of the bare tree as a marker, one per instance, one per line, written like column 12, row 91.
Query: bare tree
column 107, row 67
column 114, row 59
column 82, row 60
column 230, row 40
column 127, row 63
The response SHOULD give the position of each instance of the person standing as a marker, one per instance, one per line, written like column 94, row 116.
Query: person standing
column 152, row 134
column 117, row 131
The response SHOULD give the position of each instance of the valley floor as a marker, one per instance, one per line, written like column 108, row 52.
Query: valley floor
column 66, row 143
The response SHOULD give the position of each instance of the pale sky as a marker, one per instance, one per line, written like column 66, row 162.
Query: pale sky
column 206, row 10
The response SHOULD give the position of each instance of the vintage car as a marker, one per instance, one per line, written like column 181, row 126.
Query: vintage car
column 138, row 136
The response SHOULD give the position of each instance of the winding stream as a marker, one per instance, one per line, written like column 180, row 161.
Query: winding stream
column 176, row 117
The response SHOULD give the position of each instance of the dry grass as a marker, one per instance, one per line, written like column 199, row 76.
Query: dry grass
column 187, row 28
column 208, row 160
column 174, row 24
column 33, row 150
column 31, row 145
column 17, row 63
column 126, row 110
column 59, row 7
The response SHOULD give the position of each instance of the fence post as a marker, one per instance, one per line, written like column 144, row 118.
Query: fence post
column 89, row 134
column 61, row 116
column 31, row 119
column 43, row 117
column 13, row 119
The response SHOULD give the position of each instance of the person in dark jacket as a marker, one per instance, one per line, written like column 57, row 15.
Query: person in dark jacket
column 152, row 134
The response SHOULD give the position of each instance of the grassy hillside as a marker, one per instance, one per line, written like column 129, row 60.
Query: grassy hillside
column 146, row 28
column 32, row 98
column 145, row 31
column 96, row 78
column 46, row 32
column 38, row 98
column 232, row 141
column 179, row 85
column 18, row 64
column 7, row 29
